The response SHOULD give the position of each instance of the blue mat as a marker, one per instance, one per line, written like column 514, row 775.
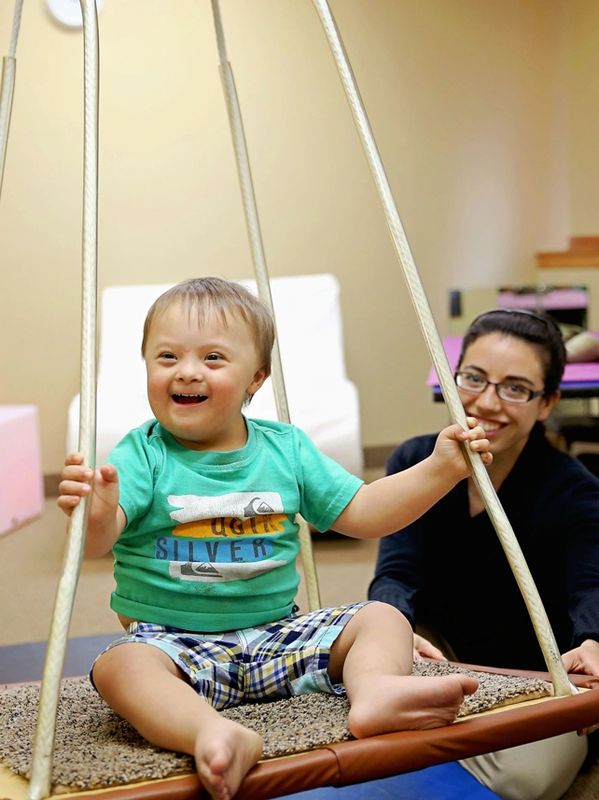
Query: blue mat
column 442, row 782
column 25, row 662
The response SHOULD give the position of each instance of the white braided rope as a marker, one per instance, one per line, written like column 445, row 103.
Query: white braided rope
column 496, row 512
column 39, row 785
column 7, row 88
column 261, row 272
column 16, row 24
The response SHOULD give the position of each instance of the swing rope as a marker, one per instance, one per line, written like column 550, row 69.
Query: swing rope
column 41, row 767
column 261, row 273
column 507, row 537
column 7, row 87
column 16, row 25
column 40, row 781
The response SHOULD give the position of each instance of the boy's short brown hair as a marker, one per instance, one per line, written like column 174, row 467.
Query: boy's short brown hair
column 221, row 297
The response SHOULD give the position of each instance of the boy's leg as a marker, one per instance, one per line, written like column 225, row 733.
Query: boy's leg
column 143, row 685
column 373, row 655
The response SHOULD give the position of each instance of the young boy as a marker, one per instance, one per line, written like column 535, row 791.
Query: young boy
column 198, row 506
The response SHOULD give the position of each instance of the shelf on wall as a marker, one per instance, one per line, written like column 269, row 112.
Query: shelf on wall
column 583, row 252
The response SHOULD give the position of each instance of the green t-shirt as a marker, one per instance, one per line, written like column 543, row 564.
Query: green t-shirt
column 211, row 539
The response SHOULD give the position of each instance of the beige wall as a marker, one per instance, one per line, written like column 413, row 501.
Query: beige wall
column 467, row 102
column 581, row 26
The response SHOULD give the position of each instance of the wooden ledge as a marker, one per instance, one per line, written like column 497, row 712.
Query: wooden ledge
column 583, row 252
column 567, row 258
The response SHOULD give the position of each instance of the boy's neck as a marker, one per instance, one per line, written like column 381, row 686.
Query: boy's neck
column 230, row 441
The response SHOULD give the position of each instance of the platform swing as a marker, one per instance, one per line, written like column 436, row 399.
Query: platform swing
column 343, row 762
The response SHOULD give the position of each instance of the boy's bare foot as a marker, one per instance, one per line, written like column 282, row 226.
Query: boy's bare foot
column 384, row 704
column 224, row 755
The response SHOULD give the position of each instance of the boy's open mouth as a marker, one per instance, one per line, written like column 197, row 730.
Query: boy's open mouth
column 189, row 399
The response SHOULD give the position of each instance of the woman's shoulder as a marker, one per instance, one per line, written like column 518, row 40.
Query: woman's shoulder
column 554, row 469
column 545, row 456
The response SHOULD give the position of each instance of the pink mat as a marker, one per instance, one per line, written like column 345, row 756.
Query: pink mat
column 583, row 372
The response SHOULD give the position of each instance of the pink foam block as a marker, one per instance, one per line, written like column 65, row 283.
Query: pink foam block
column 21, row 484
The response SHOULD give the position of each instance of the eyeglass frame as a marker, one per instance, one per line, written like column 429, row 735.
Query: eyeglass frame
column 485, row 383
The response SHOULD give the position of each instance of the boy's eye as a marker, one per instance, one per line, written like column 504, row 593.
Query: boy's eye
column 167, row 356
column 213, row 357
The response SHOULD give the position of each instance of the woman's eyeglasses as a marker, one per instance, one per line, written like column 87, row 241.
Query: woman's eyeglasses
column 506, row 390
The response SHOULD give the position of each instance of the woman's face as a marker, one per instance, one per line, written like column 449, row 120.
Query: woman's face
column 500, row 358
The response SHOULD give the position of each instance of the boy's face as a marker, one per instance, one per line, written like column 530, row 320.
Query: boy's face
column 199, row 377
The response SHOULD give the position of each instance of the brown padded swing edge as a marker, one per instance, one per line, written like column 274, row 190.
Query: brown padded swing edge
column 360, row 760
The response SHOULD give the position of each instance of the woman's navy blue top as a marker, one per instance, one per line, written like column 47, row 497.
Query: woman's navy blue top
column 448, row 569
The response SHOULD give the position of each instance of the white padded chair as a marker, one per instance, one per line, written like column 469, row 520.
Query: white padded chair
column 322, row 400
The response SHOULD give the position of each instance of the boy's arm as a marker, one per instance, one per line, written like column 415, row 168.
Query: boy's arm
column 106, row 519
column 392, row 502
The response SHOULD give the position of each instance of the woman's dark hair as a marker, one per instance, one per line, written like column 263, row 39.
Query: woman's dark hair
column 535, row 327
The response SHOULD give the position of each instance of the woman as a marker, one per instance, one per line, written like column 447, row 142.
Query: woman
column 448, row 572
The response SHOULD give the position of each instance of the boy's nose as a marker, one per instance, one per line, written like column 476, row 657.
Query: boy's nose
column 189, row 369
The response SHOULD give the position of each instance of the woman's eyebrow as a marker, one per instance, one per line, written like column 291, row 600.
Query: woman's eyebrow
column 518, row 378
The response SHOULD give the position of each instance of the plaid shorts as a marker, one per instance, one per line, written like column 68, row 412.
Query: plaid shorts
column 281, row 659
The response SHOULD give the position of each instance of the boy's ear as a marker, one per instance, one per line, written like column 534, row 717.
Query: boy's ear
column 259, row 377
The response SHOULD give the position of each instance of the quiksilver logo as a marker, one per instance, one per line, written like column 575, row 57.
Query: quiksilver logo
column 257, row 506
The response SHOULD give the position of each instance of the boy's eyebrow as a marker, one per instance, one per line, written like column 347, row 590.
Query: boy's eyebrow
column 208, row 344
column 518, row 378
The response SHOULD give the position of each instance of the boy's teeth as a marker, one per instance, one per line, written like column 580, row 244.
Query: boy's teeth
column 188, row 398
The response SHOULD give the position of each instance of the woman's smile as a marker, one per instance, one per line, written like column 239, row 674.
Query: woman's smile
column 490, row 427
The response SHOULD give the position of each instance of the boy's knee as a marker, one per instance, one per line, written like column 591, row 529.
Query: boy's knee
column 385, row 615
column 128, row 662
column 108, row 666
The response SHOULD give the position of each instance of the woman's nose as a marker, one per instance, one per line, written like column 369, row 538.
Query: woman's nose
column 489, row 397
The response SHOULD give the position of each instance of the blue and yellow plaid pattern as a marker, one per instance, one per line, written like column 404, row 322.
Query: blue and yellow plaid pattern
column 282, row 659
